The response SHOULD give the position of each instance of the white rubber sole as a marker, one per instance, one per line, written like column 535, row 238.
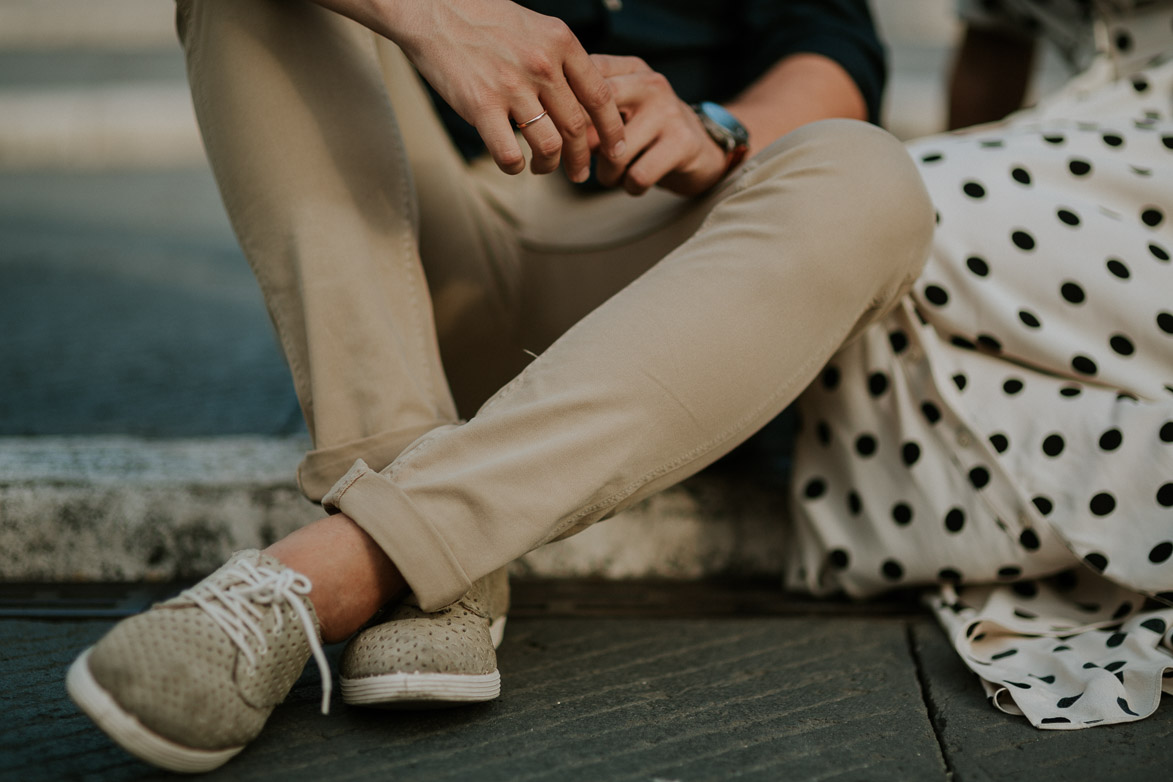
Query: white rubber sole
column 426, row 690
column 131, row 734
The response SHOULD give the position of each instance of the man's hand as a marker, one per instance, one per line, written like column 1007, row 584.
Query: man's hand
column 496, row 64
column 666, row 143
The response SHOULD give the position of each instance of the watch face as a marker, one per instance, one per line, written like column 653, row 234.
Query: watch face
column 736, row 133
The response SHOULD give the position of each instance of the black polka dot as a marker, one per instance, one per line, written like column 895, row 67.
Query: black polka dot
column 949, row 574
column 960, row 380
column 865, row 445
column 1054, row 138
column 831, row 378
column 962, row 342
column 1009, row 572
column 1012, row 386
column 989, row 342
column 1066, row 581
column 1084, row 365
column 1115, row 639
column 1044, row 504
column 892, row 570
column 854, row 503
column 979, row 477
column 1027, row 589
column 932, row 157
column 1123, row 40
column 839, row 558
column 899, row 341
column 1165, row 495
column 1159, row 252
column 823, row 432
column 937, row 295
column 1140, row 84
column 1073, row 293
column 1102, row 504
column 977, row 265
column 1117, row 268
column 1067, row 217
column 1155, row 625
column 1079, row 167
column 1160, row 552
column 1029, row 319
column 877, row 383
column 1122, row 345
column 1070, row 391
column 1022, row 240
column 910, row 452
column 1053, row 444
column 955, row 520
column 973, row 190
column 1096, row 561
column 815, row 488
column 1029, row 540
column 1122, row 610
column 1165, row 322
column 902, row 513
column 1067, row 703
column 1111, row 439
column 1113, row 140
column 1020, row 175
column 1000, row 442
column 1152, row 217
column 931, row 412
column 1167, row 432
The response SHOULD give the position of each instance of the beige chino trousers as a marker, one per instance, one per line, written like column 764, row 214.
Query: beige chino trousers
column 621, row 343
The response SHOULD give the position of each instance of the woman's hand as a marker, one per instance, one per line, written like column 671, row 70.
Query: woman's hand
column 666, row 143
column 497, row 63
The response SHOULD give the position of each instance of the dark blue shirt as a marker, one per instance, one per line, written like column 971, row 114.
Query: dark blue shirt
column 713, row 49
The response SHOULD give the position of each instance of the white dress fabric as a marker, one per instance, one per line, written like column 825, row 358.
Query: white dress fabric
column 1007, row 432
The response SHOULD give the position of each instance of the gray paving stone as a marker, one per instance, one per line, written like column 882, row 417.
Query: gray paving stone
column 584, row 699
column 980, row 748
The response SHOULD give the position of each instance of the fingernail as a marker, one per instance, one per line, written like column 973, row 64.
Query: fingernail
column 619, row 149
column 581, row 175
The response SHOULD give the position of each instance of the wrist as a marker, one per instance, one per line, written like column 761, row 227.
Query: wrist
column 726, row 131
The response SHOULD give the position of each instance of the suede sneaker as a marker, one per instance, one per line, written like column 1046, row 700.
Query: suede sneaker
column 187, row 684
column 412, row 659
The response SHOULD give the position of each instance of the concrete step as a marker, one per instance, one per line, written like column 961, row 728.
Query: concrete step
column 126, row 509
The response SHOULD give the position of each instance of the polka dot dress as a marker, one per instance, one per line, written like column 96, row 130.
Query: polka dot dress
column 1007, row 432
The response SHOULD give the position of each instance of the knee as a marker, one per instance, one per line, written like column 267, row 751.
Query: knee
column 864, row 203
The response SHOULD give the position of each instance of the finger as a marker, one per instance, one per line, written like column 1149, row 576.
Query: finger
column 572, row 123
column 594, row 94
column 497, row 132
column 654, row 164
column 641, row 133
column 610, row 65
column 540, row 133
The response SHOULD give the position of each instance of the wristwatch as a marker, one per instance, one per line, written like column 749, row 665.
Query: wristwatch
column 724, row 128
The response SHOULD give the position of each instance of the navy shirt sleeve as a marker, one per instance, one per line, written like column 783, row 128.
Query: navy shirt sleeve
column 841, row 30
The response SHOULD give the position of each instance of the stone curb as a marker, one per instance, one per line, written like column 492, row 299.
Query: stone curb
column 127, row 509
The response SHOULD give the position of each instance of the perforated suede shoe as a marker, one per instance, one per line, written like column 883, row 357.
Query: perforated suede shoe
column 187, row 684
column 413, row 659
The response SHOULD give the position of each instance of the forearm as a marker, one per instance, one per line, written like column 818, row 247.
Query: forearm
column 800, row 89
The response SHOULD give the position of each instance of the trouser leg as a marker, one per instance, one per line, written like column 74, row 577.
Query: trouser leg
column 295, row 108
column 812, row 242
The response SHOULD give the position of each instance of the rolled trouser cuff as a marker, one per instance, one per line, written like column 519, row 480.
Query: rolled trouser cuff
column 417, row 549
column 320, row 469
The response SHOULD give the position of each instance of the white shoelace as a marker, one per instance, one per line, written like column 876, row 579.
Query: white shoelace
column 236, row 611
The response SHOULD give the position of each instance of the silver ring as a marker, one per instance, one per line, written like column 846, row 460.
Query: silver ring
column 529, row 122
